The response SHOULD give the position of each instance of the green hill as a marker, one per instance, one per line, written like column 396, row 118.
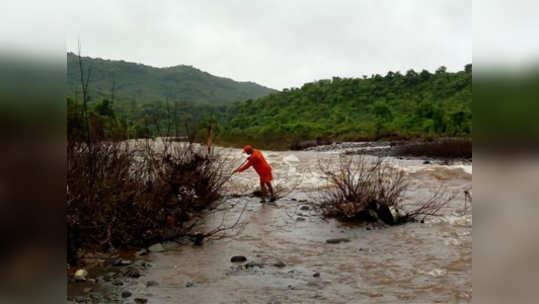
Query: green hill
column 411, row 105
column 147, row 84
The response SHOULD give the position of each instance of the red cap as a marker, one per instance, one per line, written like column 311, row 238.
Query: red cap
column 247, row 149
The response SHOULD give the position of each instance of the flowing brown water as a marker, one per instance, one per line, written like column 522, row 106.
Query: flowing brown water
column 411, row 263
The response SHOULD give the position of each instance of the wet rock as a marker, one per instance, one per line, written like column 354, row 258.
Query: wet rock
column 238, row 259
column 156, row 248
column 300, row 219
column 151, row 283
column 117, row 283
column 141, row 300
column 427, row 162
column 122, row 262
column 132, row 272
column 190, row 284
column 316, row 274
column 80, row 275
column 126, row 294
column 279, row 264
column 142, row 252
column 304, row 208
column 337, row 241
column 294, row 199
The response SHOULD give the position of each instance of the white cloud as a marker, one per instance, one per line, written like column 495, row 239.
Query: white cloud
column 276, row 43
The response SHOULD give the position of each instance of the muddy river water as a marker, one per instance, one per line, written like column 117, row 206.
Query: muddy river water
column 289, row 260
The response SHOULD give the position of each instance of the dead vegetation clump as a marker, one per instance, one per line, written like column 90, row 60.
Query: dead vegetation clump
column 361, row 190
column 127, row 197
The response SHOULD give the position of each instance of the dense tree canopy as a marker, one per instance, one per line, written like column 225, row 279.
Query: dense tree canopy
column 416, row 104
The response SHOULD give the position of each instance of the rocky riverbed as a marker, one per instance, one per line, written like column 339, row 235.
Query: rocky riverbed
column 287, row 253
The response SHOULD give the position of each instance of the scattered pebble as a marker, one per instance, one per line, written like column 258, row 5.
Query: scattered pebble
column 279, row 264
column 132, row 272
column 151, row 283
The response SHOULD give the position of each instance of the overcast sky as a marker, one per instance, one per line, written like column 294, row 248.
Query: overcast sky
column 278, row 44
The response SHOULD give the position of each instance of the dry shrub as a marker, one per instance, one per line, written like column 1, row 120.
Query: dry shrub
column 128, row 197
column 361, row 190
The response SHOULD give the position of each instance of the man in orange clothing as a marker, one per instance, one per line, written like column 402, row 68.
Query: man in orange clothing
column 261, row 167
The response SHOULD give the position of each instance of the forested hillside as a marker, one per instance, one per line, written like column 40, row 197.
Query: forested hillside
column 415, row 104
column 132, row 81
column 182, row 100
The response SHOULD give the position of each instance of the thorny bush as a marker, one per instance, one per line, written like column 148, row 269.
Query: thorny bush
column 133, row 194
column 361, row 190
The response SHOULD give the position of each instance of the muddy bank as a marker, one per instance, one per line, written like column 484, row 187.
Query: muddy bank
column 293, row 255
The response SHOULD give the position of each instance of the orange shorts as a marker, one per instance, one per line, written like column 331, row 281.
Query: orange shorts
column 265, row 176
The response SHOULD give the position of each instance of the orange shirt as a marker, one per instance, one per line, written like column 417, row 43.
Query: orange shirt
column 261, row 166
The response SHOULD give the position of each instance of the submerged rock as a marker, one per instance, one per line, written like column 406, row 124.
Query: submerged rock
column 238, row 259
column 337, row 241
column 141, row 300
column 126, row 294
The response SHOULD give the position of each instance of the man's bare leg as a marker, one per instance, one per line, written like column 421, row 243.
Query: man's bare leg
column 263, row 192
column 272, row 197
